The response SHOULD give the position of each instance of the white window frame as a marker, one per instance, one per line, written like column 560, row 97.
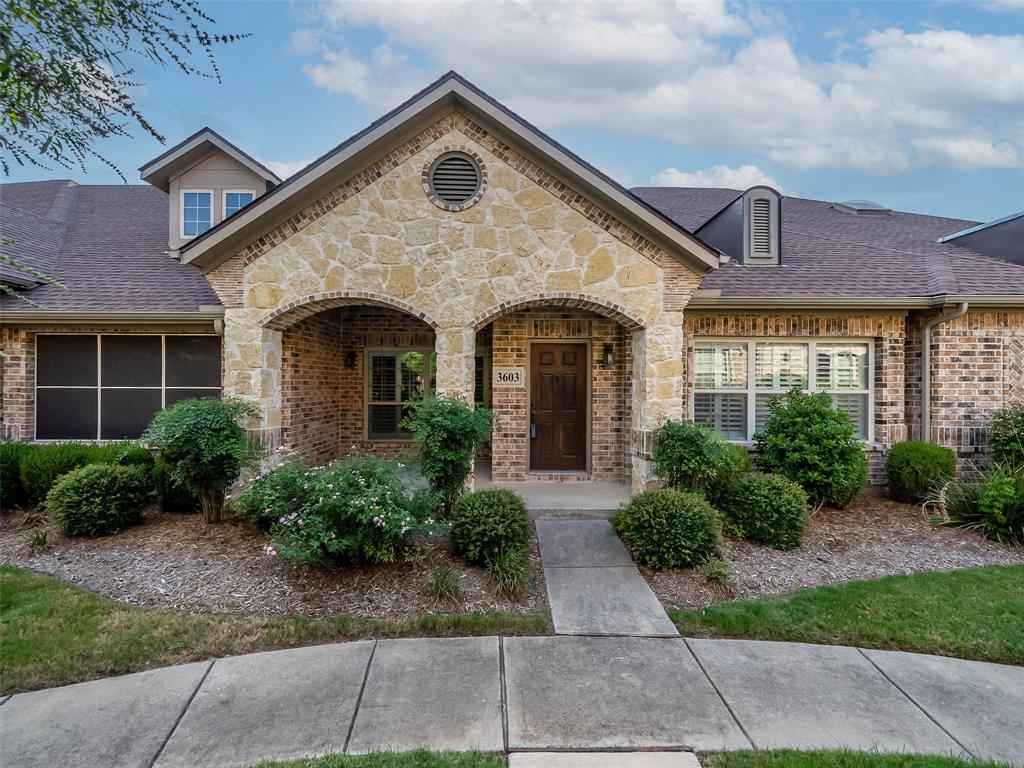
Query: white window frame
column 752, row 390
column 181, row 209
column 99, row 381
column 368, row 354
column 224, row 199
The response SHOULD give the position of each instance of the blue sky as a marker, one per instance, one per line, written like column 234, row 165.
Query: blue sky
column 919, row 106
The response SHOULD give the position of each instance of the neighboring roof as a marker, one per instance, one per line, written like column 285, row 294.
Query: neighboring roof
column 450, row 91
column 1002, row 238
column 187, row 153
column 106, row 244
column 828, row 253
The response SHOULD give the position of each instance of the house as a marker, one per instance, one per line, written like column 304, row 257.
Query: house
column 452, row 245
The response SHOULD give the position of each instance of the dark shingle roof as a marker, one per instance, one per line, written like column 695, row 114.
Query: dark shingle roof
column 828, row 252
column 106, row 244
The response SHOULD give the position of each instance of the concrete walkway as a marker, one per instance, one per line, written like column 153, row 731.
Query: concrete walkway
column 593, row 586
column 521, row 695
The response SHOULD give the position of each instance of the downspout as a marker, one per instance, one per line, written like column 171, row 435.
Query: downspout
column 926, row 366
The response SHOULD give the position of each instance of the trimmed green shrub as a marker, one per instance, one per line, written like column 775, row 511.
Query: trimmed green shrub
column 205, row 445
column 669, row 528
column 815, row 446
column 447, row 431
column 171, row 495
column 274, row 493
column 1006, row 437
column 737, row 464
column 692, row 458
column 488, row 524
column 765, row 509
column 99, row 499
column 131, row 454
column 12, row 491
column 916, row 469
column 41, row 468
column 993, row 506
column 356, row 508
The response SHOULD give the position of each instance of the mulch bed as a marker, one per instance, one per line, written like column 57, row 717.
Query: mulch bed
column 872, row 538
column 178, row 562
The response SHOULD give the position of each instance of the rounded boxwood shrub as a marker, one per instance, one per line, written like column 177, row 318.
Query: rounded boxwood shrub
column 765, row 509
column 12, row 491
column 916, row 469
column 98, row 499
column 669, row 528
column 693, row 458
column 41, row 468
column 815, row 446
column 488, row 525
column 1007, row 437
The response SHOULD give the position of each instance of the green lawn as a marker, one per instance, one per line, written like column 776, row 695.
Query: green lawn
column 416, row 759
column 787, row 758
column 52, row 633
column 974, row 613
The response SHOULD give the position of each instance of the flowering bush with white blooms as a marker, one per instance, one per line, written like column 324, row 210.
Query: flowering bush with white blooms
column 276, row 491
column 355, row 508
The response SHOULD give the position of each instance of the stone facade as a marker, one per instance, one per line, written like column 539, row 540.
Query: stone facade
column 530, row 241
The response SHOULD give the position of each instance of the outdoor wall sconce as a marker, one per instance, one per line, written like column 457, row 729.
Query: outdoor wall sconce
column 609, row 355
column 350, row 359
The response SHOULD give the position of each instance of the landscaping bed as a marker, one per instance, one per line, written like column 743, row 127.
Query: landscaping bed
column 176, row 561
column 872, row 538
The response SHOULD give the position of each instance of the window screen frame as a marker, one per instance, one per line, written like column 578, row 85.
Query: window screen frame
column 224, row 200
column 181, row 211
column 752, row 391
column 100, row 388
column 394, row 352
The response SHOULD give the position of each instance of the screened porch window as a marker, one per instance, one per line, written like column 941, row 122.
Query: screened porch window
column 735, row 381
column 393, row 379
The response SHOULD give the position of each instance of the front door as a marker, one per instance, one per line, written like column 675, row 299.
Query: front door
column 558, row 407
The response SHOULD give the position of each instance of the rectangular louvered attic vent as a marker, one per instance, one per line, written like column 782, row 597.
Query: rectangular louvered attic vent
column 761, row 229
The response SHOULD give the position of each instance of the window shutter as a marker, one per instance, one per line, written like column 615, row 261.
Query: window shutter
column 761, row 228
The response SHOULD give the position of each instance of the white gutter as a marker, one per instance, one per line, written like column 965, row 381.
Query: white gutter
column 926, row 366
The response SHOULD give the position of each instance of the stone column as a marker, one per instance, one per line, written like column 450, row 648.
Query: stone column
column 252, row 370
column 657, row 389
column 456, row 350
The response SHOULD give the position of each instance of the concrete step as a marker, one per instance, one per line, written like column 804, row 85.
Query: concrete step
column 570, row 514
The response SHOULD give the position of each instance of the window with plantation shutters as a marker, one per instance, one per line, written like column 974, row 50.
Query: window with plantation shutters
column 393, row 379
column 455, row 178
column 734, row 397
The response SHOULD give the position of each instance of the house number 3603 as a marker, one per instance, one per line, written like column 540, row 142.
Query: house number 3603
column 509, row 377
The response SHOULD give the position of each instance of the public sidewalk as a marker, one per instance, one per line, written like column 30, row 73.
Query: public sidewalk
column 521, row 695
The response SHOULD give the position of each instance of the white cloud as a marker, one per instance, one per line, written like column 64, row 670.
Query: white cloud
column 702, row 75
column 286, row 168
column 1003, row 5
column 740, row 177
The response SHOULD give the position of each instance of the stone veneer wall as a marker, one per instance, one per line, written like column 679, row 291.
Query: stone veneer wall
column 977, row 369
column 887, row 330
column 609, row 391
column 377, row 239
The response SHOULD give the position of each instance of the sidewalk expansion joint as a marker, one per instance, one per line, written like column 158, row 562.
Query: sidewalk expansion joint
column 504, row 691
column 181, row 714
column 714, row 685
column 359, row 699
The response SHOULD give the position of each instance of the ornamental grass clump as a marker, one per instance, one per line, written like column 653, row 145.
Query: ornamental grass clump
column 992, row 506
column 354, row 509
column 1006, row 436
column 448, row 431
column 204, row 443
column 669, row 528
column 808, row 441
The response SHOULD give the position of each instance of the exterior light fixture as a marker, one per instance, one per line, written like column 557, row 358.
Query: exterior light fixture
column 350, row 359
column 609, row 355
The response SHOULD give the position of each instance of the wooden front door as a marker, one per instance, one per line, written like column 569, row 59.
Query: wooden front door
column 558, row 407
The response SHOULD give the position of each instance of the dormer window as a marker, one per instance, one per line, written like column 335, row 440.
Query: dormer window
column 236, row 199
column 761, row 226
column 196, row 211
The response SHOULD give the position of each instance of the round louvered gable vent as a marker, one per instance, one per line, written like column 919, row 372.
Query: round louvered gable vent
column 455, row 179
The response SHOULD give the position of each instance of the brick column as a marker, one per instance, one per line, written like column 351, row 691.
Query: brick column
column 657, row 390
column 17, row 368
column 252, row 370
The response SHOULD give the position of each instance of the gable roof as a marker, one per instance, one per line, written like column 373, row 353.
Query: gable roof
column 829, row 254
column 187, row 153
column 450, row 91
column 1002, row 238
column 106, row 243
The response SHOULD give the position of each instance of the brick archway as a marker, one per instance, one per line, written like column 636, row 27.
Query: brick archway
column 307, row 306
column 579, row 301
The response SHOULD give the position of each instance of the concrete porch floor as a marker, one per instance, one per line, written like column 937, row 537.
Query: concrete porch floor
column 559, row 498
